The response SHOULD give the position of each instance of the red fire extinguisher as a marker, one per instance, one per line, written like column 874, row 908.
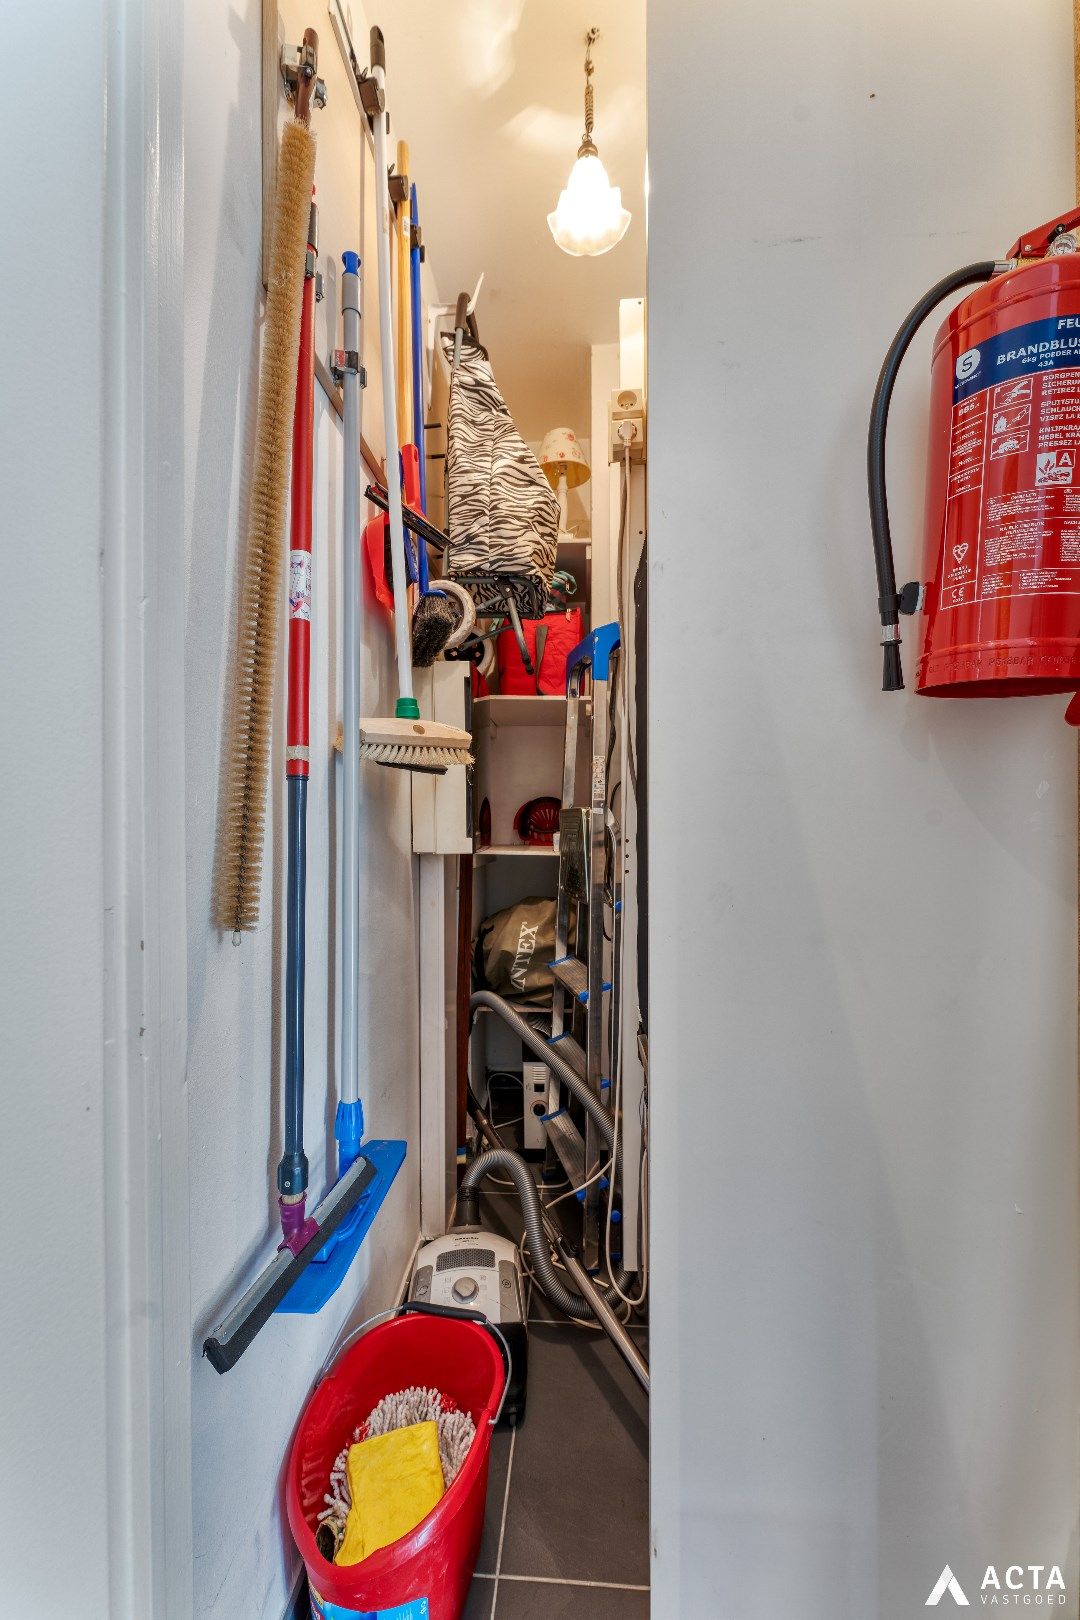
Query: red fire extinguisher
column 1001, row 573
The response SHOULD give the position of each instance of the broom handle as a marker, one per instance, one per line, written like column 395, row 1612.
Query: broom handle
column 403, row 306
column 350, row 794
column 418, row 411
column 292, row 1175
column 422, row 565
column 389, row 390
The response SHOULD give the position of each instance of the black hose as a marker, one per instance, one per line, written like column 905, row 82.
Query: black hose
column 888, row 600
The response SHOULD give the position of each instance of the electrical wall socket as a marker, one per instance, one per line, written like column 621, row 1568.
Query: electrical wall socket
column 536, row 1078
column 626, row 420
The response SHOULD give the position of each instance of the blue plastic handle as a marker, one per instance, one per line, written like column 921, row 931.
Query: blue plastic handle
column 595, row 650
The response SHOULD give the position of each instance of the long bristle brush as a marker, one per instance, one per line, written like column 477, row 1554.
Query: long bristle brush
column 403, row 741
column 243, row 812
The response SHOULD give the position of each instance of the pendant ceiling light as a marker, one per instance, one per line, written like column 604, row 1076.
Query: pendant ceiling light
column 590, row 217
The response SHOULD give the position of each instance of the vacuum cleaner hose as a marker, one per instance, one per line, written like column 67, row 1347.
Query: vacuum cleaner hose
column 563, row 1298
column 550, row 1055
column 888, row 598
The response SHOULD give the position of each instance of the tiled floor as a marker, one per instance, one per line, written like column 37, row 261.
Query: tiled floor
column 566, row 1535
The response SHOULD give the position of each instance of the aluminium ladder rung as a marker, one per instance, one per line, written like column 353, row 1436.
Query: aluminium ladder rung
column 572, row 1052
column 566, row 1139
column 573, row 975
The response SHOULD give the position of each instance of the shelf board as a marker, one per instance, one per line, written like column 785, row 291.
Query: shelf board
column 488, row 852
column 519, row 709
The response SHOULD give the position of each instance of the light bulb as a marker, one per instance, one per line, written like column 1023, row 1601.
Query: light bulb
column 590, row 218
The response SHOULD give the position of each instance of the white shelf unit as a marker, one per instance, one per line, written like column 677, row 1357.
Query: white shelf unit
column 519, row 747
column 518, row 744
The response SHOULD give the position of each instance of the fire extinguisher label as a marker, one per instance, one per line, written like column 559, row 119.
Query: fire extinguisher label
column 1012, row 525
column 1038, row 346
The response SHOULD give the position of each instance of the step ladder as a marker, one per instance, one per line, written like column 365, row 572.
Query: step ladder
column 581, row 1017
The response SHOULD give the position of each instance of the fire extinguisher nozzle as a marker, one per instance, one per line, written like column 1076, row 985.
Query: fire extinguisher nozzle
column 892, row 673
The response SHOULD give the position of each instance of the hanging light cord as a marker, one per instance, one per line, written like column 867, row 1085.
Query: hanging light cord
column 588, row 146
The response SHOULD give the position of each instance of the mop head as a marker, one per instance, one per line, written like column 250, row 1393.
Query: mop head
column 240, row 846
column 434, row 622
column 415, row 745
column 456, row 1433
column 440, row 620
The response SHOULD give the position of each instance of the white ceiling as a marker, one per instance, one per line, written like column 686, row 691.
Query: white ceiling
column 490, row 96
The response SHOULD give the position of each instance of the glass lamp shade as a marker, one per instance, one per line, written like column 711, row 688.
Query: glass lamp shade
column 590, row 218
column 562, row 456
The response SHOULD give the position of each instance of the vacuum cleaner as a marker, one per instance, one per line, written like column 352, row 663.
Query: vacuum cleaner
column 472, row 1271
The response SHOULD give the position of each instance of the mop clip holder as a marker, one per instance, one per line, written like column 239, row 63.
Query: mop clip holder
column 398, row 186
column 372, row 99
column 344, row 361
column 299, row 66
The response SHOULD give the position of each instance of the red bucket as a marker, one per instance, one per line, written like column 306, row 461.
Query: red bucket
column 426, row 1574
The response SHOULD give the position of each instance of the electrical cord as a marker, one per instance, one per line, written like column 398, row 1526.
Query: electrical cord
column 504, row 1124
column 621, row 696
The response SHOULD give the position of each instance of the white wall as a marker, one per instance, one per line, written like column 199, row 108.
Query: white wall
column 243, row 1422
column 52, row 951
column 864, row 1132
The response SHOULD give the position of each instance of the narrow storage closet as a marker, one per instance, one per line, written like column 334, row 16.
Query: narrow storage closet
column 454, row 212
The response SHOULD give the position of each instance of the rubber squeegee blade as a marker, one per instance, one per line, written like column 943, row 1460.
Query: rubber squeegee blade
column 231, row 1338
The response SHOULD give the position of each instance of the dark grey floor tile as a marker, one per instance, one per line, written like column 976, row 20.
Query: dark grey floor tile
column 541, row 1600
column 478, row 1604
column 579, row 1499
column 496, row 1493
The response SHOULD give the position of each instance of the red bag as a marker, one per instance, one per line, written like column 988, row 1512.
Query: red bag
column 561, row 633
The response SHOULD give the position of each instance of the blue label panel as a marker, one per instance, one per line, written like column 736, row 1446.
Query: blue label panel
column 323, row 1609
column 1038, row 346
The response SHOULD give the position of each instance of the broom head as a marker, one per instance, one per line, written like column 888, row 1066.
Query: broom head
column 415, row 745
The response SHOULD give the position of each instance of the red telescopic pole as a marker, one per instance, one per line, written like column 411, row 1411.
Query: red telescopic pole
column 298, row 720
column 292, row 1177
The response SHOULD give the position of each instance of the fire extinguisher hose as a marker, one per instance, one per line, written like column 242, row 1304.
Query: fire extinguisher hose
column 890, row 602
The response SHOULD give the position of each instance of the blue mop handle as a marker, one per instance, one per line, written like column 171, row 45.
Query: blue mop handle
column 292, row 1172
column 418, row 383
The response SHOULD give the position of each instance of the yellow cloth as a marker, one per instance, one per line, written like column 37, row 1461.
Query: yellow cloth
column 395, row 1480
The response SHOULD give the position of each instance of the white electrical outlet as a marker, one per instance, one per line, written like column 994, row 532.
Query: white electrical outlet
column 626, row 424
